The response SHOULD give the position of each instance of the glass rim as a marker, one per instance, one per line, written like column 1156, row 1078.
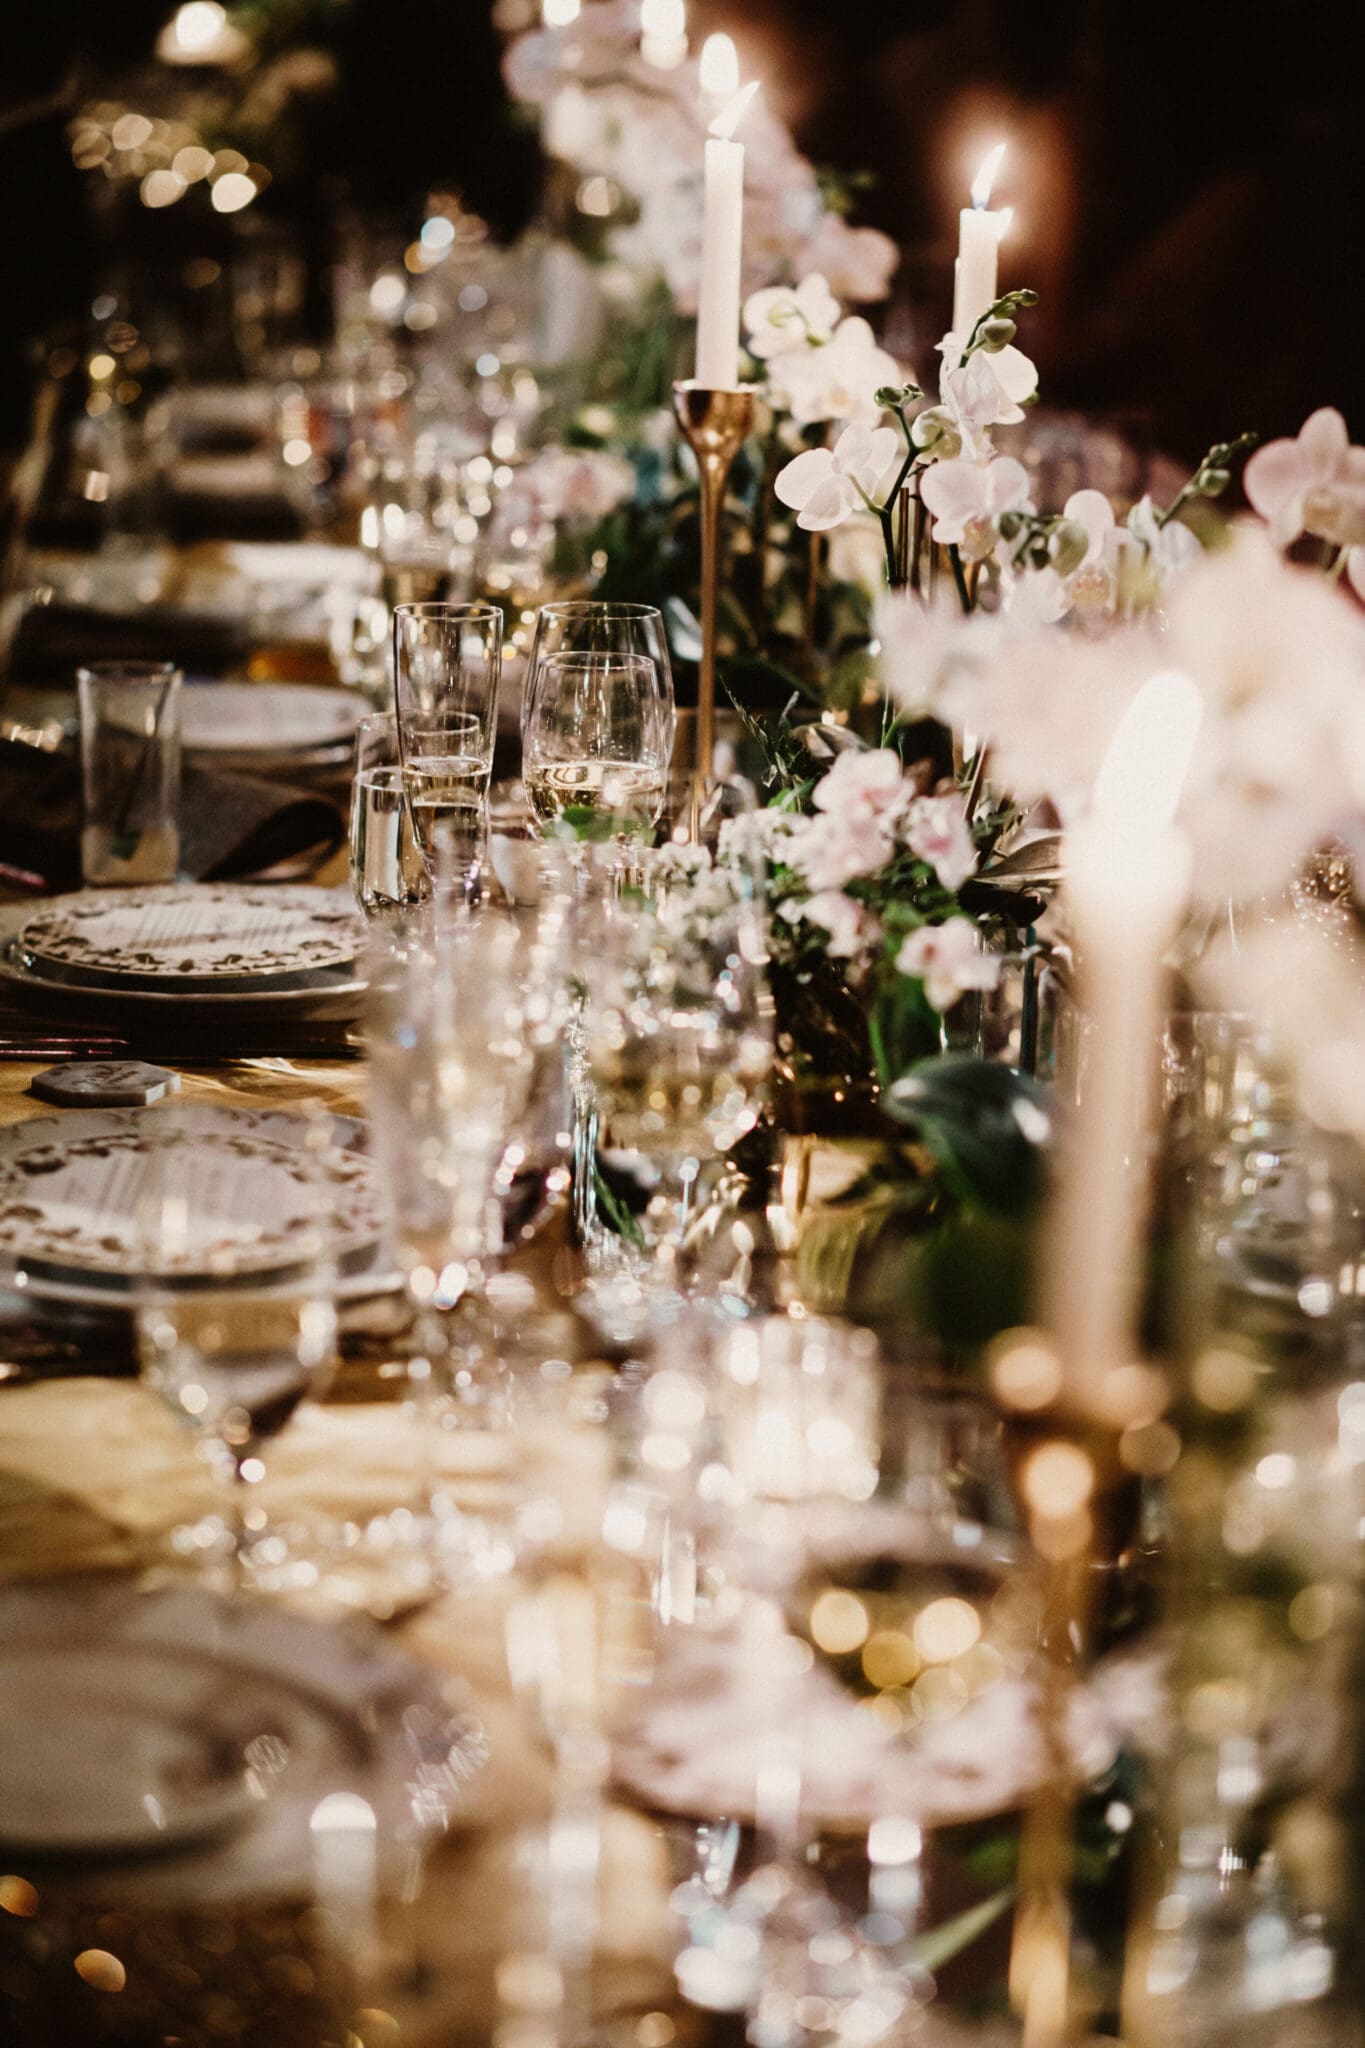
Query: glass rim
column 130, row 672
column 437, row 609
column 600, row 608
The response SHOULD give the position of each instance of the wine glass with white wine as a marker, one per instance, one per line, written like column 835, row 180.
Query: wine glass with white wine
column 597, row 720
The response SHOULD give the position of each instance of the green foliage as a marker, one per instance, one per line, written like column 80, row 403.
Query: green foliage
column 987, row 1127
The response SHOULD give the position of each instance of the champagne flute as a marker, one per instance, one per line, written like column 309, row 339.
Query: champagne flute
column 232, row 1349
column 597, row 719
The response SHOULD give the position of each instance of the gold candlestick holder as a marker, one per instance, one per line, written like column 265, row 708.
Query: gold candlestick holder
column 715, row 425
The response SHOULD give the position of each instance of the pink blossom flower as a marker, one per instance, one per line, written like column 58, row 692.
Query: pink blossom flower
column 936, row 830
column 966, row 498
column 1314, row 484
column 851, row 927
column 852, row 833
column 948, row 959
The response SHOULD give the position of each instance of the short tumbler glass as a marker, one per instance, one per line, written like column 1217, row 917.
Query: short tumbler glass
column 130, row 767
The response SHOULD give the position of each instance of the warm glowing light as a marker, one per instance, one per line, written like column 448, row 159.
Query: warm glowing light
column 559, row 13
column 596, row 197
column 663, row 33
column 1058, row 1481
column 838, row 1622
column 232, row 192
column 1025, row 1371
column 890, row 1658
column 1144, row 771
column 198, row 25
column 130, row 131
column 192, row 163
column 985, row 177
column 100, row 1970
column 946, row 1629
column 1004, row 220
column 730, row 115
column 719, row 67
column 892, row 1840
column 161, row 188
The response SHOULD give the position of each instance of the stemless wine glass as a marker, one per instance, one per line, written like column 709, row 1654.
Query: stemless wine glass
column 389, row 875
column 597, row 718
column 447, row 662
column 229, row 1340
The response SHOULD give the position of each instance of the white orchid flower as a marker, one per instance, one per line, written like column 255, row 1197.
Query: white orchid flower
column 966, row 499
column 948, row 959
column 1313, row 484
column 781, row 318
column 838, row 381
column 1170, row 548
column 986, row 390
column 824, row 485
column 1032, row 598
column 1355, row 571
column 859, row 262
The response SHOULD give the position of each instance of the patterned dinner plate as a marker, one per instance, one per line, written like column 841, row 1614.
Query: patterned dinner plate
column 73, row 1195
column 214, row 1735
column 216, row 936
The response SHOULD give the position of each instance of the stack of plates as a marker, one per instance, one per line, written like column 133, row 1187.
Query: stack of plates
column 290, row 730
column 72, row 1199
column 205, row 1742
column 187, row 955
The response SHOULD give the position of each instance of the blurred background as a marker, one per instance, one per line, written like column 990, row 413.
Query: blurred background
column 1186, row 183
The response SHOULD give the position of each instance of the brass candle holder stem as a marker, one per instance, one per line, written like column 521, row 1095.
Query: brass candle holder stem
column 715, row 425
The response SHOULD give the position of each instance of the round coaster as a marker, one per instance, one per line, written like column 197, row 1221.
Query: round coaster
column 104, row 1084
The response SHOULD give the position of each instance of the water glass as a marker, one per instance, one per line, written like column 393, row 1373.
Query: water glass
column 231, row 1346
column 130, row 769
column 447, row 663
column 389, row 875
column 597, row 719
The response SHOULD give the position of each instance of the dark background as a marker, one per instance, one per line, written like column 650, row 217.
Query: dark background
column 1186, row 177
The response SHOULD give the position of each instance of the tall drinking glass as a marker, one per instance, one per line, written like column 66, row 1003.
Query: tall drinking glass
column 231, row 1344
column 389, row 875
column 447, row 662
column 597, row 718
column 130, row 771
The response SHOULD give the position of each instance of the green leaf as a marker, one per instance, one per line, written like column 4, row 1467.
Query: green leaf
column 987, row 1127
column 930, row 1951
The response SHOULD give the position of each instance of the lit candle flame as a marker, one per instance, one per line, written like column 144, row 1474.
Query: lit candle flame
column 985, row 177
column 719, row 67
column 1143, row 772
column 733, row 112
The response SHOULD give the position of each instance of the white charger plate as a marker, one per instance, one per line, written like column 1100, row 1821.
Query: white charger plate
column 204, row 1733
column 265, row 719
column 71, row 1193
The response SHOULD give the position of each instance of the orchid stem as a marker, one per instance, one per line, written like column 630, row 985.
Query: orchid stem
column 958, row 577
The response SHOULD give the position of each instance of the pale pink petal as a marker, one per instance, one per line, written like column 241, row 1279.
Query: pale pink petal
column 1093, row 511
column 882, row 447
column 1015, row 373
column 1273, row 480
column 1006, row 485
column 803, row 476
column 1323, row 440
column 954, row 491
column 1355, row 572
column 827, row 506
column 851, row 449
